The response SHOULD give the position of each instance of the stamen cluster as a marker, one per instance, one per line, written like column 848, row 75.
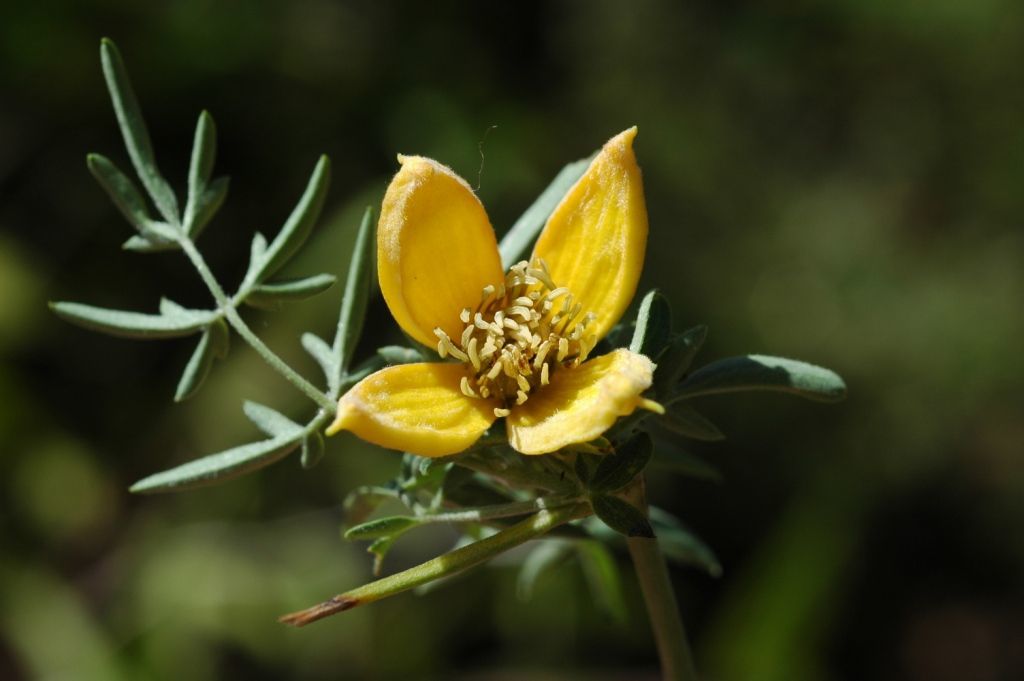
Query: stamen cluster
column 522, row 330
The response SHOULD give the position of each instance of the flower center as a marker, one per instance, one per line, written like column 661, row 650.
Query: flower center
column 523, row 329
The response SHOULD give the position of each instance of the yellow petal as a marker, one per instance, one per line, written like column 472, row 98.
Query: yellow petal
column 580, row 403
column 416, row 408
column 435, row 249
column 594, row 241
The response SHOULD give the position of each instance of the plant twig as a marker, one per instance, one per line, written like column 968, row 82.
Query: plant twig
column 235, row 320
column 662, row 607
column 442, row 566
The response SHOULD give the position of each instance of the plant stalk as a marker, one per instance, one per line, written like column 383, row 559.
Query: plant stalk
column 227, row 308
column 448, row 564
column 663, row 610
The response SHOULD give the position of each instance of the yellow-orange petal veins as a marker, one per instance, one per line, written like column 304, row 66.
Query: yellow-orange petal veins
column 580, row 403
column 435, row 249
column 416, row 408
column 594, row 241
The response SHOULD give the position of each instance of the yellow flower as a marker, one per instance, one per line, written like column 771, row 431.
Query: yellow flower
column 520, row 338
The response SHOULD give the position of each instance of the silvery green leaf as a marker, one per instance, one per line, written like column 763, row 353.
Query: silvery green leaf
column 653, row 326
column 149, row 244
column 391, row 526
column 541, row 560
column 257, row 252
column 677, row 358
column 169, row 307
column 312, row 449
column 299, row 224
column 133, row 324
column 397, row 354
column 621, row 516
column 683, row 462
column 272, row 295
column 688, row 422
column 121, row 190
column 197, row 368
column 357, row 294
column 204, row 152
column 221, row 466
column 365, row 368
column 379, row 549
column 318, row 348
column 206, row 206
column 618, row 469
column 363, row 501
column 133, row 128
column 681, row 545
column 270, row 421
column 518, row 243
column 220, row 338
column 761, row 372
column 603, row 579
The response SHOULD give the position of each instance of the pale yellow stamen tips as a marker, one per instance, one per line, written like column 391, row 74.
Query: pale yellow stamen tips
column 524, row 329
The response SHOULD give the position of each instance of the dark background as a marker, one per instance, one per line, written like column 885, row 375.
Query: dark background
column 840, row 182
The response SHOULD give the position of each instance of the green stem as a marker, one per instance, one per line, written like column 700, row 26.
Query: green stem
column 227, row 308
column 663, row 610
column 442, row 566
column 496, row 511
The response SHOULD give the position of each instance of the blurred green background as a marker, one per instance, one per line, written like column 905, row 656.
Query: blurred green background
column 840, row 182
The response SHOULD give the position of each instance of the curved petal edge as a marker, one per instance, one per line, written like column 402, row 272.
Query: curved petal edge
column 417, row 408
column 436, row 249
column 594, row 241
column 581, row 403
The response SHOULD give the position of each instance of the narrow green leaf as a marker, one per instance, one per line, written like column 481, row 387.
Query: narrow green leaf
column 653, row 326
column 603, row 579
column 616, row 470
column 681, row 545
column 204, row 152
column 221, row 466
column 149, row 244
column 397, row 354
column 585, row 465
column 133, row 128
column 132, row 324
column 220, row 338
column 683, row 462
column 257, row 254
column 678, row 358
column 357, row 294
column 169, row 308
column 272, row 295
column 121, row 190
column 312, row 449
column 270, row 421
column 207, row 206
column 379, row 549
column 368, row 366
column 688, row 422
column 363, row 501
column 299, row 224
column 761, row 372
column 196, row 370
column 391, row 526
column 548, row 555
column 318, row 348
column 519, row 241
column 621, row 516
